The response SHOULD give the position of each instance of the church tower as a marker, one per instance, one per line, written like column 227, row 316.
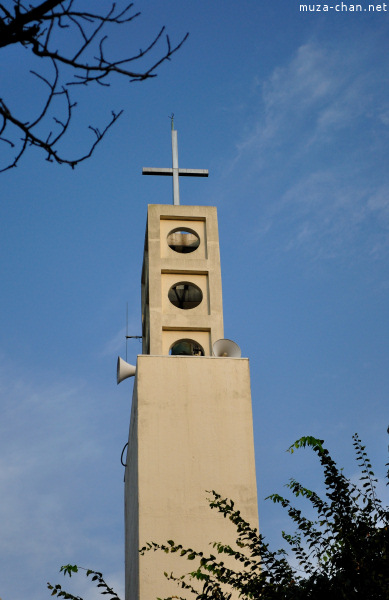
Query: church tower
column 191, row 419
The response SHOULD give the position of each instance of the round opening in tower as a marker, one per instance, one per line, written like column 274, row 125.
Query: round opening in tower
column 186, row 348
column 184, row 240
column 185, row 295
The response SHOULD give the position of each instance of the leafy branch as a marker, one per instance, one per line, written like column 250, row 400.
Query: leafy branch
column 96, row 576
column 342, row 554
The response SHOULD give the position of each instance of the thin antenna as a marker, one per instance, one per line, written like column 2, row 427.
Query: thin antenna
column 126, row 328
column 128, row 337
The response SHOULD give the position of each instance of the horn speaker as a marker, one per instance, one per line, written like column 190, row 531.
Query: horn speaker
column 226, row 348
column 124, row 370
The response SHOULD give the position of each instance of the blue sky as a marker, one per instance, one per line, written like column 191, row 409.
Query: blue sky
column 289, row 111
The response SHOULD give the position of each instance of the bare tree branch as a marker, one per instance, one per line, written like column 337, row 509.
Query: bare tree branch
column 82, row 61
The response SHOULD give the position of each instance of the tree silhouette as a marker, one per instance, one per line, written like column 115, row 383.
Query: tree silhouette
column 70, row 46
column 343, row 554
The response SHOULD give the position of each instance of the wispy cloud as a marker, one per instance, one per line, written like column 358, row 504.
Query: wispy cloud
column 50, row 459
column 317, row 152
column 116, row 344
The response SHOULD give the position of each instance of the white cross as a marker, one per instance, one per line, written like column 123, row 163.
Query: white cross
column 175, row 171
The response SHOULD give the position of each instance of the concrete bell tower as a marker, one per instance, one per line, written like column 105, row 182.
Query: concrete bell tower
column 191, row 419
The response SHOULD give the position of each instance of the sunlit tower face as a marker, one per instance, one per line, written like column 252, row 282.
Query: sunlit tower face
column 181, row 281
column 187, row 401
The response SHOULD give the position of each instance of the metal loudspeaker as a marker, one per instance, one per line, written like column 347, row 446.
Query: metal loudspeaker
column 226, row 348
column 124, row 370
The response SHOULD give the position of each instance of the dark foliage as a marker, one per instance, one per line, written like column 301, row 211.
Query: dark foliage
column 341, row 555
column 56, row 590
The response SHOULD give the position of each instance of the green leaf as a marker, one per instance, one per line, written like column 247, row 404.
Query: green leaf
column 69, row 569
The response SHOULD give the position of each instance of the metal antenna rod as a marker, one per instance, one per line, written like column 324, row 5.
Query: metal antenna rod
column 126, row 328
column 176, row 188
column 130, row 337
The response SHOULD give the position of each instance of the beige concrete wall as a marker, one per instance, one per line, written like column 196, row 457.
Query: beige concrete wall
column 191, row 431
column 199, row 226
column 163, row 266
column 175, row 314
column 131, row 506
column 202, row 337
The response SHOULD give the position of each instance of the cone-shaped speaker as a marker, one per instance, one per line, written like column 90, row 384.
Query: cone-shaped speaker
column 226, row 348
column 124, row 370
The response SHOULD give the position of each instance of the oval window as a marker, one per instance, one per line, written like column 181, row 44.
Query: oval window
column 183, row 240
column 186, row 348
column 185, row 295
